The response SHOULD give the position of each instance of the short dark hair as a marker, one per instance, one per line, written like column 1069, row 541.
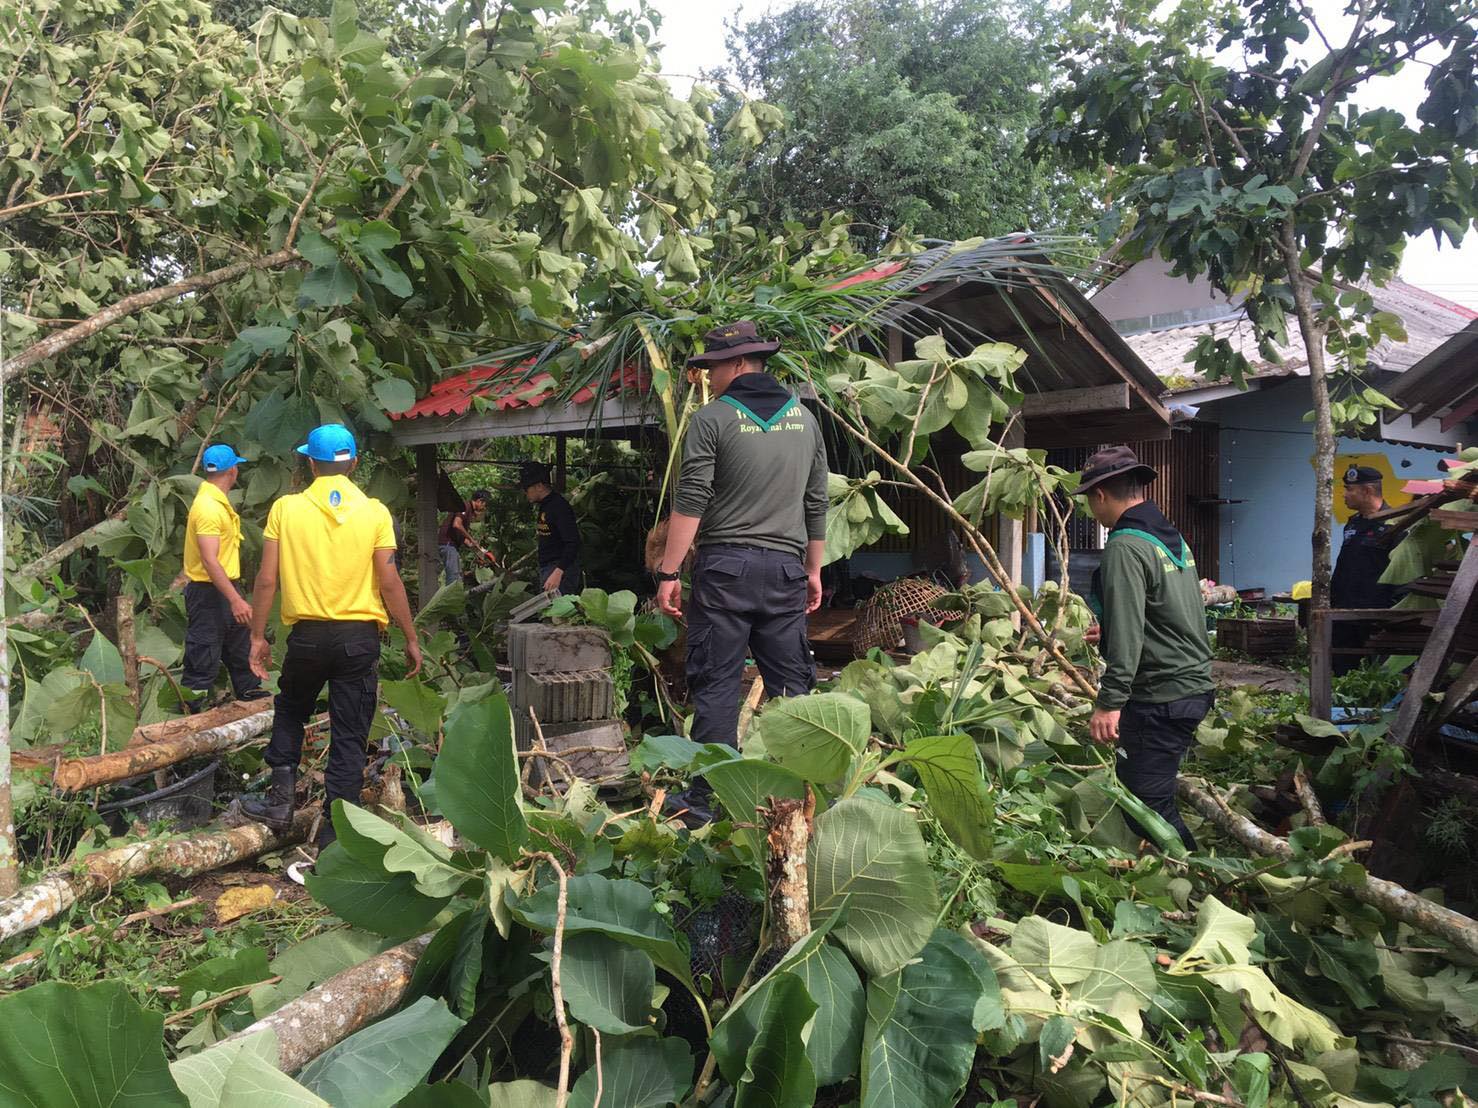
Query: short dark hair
column 331, row 469
column 480, row 494
column 1127, row 486
column 533, row 473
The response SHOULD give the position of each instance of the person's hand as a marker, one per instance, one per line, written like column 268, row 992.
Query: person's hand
column 261, row 656
column 1104, row 726
column 1093, row 634
column 813, row 591
column 413, row 655
column 670, row 598
column 242, row 611
column 552, row 581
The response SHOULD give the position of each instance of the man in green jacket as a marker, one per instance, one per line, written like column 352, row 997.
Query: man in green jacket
column 1156, row 686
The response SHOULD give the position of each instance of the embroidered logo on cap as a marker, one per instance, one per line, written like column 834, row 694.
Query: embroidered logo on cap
column 1352, row 474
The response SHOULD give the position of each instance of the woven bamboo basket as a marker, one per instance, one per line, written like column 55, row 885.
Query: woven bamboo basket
column 880, row 623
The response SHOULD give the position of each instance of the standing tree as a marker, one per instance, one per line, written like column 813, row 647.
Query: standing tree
column 1255, row 161
column 905, row 113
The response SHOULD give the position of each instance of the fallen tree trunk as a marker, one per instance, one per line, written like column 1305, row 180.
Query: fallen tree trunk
column 334, row 1010
column 787, row 834
column 201, row 721
column 77, row 774
column 58, row 554
column 60, row 889
column 1395, row 901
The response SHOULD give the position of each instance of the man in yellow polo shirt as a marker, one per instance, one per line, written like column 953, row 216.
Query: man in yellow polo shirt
column 334, row 549
column 217, row 616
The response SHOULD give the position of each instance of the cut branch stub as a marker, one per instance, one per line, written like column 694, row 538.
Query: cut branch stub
column 788, row 824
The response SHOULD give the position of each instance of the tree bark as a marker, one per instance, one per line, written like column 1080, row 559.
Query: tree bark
column 60, row 341
column 182, row 726
column 333, row 1011
column 77, row 774
column 9, row 858
column 59, row 553
column 1312, row 333
column 788, row 833
column 1395, row 901
column 60, row 889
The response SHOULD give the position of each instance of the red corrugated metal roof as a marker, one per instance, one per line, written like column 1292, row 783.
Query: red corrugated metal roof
column 876, row 273
column 1421, row 488
column 509, row 387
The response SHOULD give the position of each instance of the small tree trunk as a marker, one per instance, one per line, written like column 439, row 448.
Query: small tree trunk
column 1396, row 902
column 60, row 889
column 9, row 859
column 333, row 1011
column 128, row 646
column 77, row 774
column 59, row 553
column 788, row 833
column 1312, row 333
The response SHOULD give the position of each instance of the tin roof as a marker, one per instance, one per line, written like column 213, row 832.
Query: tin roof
column 510, row 386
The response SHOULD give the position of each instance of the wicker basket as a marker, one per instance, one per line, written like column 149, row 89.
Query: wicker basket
column 879, row 624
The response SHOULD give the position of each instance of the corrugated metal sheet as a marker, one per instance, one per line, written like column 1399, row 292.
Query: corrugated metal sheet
column 508, row 387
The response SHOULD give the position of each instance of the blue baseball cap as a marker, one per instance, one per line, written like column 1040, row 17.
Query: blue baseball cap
column 333, row 442
column 219, row 458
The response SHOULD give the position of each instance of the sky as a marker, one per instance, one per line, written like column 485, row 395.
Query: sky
column 693, row 39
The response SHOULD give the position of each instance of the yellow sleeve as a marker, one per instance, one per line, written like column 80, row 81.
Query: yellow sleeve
column 384, row 530
column 210, row 521
column 273, row 521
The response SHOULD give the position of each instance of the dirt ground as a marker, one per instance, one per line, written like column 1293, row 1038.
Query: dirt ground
column 1234, row 675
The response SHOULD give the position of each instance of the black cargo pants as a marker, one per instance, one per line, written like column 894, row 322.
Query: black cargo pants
column 345, row 655
column 1153, row 738
column 212, row 634
column 746, row 599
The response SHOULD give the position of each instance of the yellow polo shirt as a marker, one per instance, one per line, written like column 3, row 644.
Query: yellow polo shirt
column 211, row 514
column 326, row 541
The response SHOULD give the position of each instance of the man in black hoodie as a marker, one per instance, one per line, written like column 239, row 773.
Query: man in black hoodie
column 752, row 491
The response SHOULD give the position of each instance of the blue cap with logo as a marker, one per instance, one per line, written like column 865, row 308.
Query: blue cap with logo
column 333, row 442
column 219, row 458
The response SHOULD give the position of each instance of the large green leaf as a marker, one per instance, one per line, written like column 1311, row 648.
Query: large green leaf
column 83, row 1048
column 607, row 984
column 949, row 767
column 375, row 1067
column 366, row 896
column 1053, row 952
column 102, row 660
column 622, row 909
column 638, row 1071
column 451, row 1094
column 521, row 1094
column 476, row 777
column 816, row 736
column 742, row 785
column 417, row 703
column 241, row 1073
column 399, row 849
column 871, row 857
column 834, row 1040
column 920, row 1038
column 777, row 1073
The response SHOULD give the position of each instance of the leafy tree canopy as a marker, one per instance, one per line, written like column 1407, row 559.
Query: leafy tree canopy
column 906, row 113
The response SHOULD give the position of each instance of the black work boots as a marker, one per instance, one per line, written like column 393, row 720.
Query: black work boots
column 276, row 810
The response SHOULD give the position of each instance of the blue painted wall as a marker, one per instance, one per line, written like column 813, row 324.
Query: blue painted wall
column 1266, row 452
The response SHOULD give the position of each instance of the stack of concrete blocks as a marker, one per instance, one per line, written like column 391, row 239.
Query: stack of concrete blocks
column 562, row 676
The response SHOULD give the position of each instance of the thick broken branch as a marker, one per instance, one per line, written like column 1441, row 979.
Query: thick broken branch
column 59, row 553
column 1395, row 901
column 77, row 774
column 59, row 342
column 184, row 857
column 788, row 833
column 181, row 726
column 331, row 1012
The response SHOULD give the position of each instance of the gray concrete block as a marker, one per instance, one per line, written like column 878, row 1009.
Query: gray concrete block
column 543, row 648
column 604, row 766
column 564, row 697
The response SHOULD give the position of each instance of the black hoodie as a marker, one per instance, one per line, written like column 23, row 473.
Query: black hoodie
column 754, row 468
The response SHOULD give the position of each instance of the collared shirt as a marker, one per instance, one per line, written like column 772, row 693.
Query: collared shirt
column 211, row 514
column 327, row 537
column 1363, row 558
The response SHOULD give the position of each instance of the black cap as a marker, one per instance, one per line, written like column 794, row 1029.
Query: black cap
column 480, row 494
column 533, row 473
column 1363, row 475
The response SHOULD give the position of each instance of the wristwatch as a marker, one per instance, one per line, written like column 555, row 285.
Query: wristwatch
column 659, row 575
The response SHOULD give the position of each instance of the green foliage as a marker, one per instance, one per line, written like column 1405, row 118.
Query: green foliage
column 375, row 1067
column 909, row 115
column 477, row 786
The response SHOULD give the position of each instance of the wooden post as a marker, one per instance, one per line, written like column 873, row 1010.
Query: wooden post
column 1010, row 533
column 427, row 558
column 1321, row 663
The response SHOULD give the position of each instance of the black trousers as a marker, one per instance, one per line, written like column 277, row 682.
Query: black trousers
column 1154, row 739
column 746, row 599
column 346, row 657
column 212, row 634
column 570, row 584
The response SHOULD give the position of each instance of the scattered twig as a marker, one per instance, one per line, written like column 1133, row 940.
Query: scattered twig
column 1307, row 797
column 1435, row 1044
column 217, row 1001
column 600, row 1083
column 148, row 913
column 566, row 1039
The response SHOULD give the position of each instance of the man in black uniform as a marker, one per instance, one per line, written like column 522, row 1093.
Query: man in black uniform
column 1363, row 557
column 753, row 493
column 557, row 531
